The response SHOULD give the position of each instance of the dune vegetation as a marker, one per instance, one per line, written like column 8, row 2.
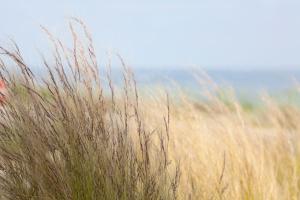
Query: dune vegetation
column 74, row 134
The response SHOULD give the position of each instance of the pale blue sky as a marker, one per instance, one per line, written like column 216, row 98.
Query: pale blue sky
column 166, row 33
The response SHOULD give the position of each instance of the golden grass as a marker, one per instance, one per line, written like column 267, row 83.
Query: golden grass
column 227, row 152
column 66, row 138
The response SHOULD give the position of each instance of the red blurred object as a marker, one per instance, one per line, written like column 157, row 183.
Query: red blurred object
column 3, row 91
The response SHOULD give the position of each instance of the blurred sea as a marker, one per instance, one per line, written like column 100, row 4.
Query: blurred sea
column 247, row 84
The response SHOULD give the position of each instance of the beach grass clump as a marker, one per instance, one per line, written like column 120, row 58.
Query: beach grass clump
column 62, row 138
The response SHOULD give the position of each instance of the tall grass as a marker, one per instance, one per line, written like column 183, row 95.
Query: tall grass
column 62, row 138
column 77, row 135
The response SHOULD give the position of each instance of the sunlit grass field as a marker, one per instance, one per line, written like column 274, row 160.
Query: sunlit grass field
column 79, row 136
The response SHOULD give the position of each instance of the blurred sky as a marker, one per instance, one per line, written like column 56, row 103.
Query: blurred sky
column 167, row 33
